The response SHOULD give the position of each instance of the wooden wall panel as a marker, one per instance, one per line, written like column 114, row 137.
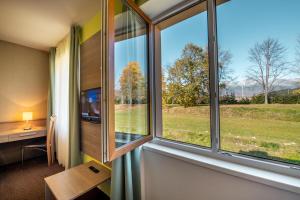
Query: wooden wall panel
column 90, row 63
column 90, row 77
column 91, row 139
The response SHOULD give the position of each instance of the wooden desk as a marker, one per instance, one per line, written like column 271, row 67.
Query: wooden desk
column 20, row 134
column 74, row 182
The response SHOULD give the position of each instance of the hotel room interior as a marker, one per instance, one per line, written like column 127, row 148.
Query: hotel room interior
column 129, row 99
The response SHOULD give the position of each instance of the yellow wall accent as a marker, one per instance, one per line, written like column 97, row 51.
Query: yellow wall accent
column 94, row 24
column 86, row 158
column 91, row 27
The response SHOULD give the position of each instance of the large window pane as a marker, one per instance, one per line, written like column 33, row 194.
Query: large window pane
column 131, row 75
column 185, row 77
column 259, row 59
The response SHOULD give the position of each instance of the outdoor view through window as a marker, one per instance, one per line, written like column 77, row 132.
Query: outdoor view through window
column 259, row 61
column 185, row 87
column 131, row 75
column 259, row 79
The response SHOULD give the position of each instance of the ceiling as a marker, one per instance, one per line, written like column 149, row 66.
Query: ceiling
column 41, row 24
column 149, row 7
column 154, row 8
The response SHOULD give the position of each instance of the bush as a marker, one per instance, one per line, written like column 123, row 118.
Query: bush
column 289, row 99
column 244, row 101
column 228, row 99
column 258, row 99
column 277, row 98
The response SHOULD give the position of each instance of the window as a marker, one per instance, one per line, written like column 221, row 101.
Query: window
column 185, row 77
column 240, row 94
column 128, row 78
column 131, row 77
column 236, row 95
column 259, row 78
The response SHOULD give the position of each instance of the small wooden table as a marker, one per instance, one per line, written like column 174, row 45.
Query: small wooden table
column 75, row 182
column 20, row 134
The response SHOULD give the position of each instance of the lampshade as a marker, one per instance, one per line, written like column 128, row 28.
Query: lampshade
column 27, row 116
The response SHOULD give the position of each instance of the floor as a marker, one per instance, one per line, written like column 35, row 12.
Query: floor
column 25, row 182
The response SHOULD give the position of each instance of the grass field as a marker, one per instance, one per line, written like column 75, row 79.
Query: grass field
column 267, row 131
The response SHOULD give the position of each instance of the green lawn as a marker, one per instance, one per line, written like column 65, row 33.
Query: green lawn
column 131, row 119
column 268, row 131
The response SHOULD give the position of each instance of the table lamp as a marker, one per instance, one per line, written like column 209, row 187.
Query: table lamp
column 27, row 116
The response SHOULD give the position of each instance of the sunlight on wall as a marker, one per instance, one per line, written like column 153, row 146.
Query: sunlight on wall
column 24, row 82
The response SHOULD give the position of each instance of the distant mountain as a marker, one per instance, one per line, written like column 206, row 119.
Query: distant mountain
column 248, row 89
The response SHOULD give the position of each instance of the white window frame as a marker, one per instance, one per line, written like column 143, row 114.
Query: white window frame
column 215, row 151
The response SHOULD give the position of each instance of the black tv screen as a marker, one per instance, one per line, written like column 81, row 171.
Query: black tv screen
column 90, row 105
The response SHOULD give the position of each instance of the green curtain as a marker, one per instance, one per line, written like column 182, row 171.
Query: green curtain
column 74, row 120
column 125, row 180
column 51, row 87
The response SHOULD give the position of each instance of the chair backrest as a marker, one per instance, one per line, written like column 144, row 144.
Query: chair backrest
column 50, row 131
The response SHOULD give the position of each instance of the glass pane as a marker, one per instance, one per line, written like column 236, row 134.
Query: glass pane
column 259, row 78
column 131, row 75
column 185, row 78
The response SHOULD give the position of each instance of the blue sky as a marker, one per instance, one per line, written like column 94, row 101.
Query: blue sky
column 128, row 51
column 241, row 24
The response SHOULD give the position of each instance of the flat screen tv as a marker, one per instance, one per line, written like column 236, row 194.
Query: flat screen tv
column 90, row 105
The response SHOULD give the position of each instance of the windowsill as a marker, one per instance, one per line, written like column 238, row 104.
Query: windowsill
column 254, row 174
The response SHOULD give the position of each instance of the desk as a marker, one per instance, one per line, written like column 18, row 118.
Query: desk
column 74, row 182
column 20, row 134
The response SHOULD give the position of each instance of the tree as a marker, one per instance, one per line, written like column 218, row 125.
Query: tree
column 224, row 59
column 132, row 84
column 188, row 77
column 269, row 65
column 164, row 94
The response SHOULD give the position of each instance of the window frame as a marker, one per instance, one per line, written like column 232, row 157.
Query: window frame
column 111, row 151
column 214, row 151
column 180, row 12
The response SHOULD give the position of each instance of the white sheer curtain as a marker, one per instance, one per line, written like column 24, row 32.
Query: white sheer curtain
column 62, row 59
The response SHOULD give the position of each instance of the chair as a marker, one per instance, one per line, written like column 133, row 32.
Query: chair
column 47, row 147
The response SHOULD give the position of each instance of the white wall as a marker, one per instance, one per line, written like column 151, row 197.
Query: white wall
column 167, row 178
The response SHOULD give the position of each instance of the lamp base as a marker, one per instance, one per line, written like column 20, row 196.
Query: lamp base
column 27, row 126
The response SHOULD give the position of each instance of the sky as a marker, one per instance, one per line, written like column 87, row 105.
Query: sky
column 130, row 50
column 240, row 24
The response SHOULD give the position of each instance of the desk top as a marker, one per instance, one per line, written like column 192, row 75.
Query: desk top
column 76, row 181
column 17, row 131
